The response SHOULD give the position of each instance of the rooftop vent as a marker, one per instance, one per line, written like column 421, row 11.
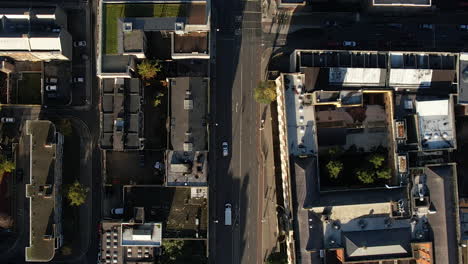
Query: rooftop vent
column 188, row 146
column 127, row 27
column 179, row 28
column 188, row 104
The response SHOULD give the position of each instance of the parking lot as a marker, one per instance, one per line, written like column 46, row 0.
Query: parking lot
column 134, row 167
column 57, row 83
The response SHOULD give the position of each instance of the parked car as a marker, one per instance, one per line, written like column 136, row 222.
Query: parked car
column 19, row 175
column 80, row 43
column 225, row 149
column 463, row 27
column 51, row 80
column 426, row 26
column 331, row 23
column 78, row 80
column 117, row 211
column 348, row 43
column 51, row 88
column 7, row 119
column 51, row 95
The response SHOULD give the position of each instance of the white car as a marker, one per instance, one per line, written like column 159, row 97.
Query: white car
column 348, row 43
column 81, row 43
column 463, row 27
column 7, row 119
column 78, row 79
column 225, row 149
column 51, row 88
column 51, row 80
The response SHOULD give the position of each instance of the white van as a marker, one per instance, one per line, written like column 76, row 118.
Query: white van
column 227, row 214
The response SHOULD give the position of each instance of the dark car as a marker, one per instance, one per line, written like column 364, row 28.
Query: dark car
column 142, row 159
column 19, row 175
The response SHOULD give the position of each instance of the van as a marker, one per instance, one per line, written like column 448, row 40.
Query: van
column 227, row 214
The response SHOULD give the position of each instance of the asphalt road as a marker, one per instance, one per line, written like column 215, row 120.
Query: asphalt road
column 234, row 178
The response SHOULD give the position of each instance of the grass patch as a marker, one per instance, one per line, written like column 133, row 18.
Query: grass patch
column 112, row 12
column 29, row 89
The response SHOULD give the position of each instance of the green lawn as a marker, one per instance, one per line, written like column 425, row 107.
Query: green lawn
column 112, row 12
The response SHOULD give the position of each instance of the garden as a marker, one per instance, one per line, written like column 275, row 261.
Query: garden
column 354, row 168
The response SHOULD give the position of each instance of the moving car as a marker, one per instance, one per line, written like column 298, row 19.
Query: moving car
column 7, row 119
column 348, row 43
column 80, row 43
column 51, row 88
column 227, row 214
column 225, row 149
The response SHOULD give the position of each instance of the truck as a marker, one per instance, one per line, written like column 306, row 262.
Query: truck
column 227, row 214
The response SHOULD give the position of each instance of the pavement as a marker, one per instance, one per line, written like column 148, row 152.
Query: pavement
column 268, row 193
column 234, row 179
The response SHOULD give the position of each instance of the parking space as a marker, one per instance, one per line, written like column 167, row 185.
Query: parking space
column 81, row 54
column 134, row 167
column 57, row 83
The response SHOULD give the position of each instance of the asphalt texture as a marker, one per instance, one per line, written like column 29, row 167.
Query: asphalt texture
column 234, row 179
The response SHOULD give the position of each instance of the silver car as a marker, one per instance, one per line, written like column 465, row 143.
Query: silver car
column 225, row 149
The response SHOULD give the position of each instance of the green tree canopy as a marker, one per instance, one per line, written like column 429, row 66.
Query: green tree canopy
column 265, row 92
column 64, row 126
column 277, row 258
column 334, row 168
column 384, row 174
column 365, row 176
column 148, row 69
column 76, row 194
column 377, row 160
column 6, row 166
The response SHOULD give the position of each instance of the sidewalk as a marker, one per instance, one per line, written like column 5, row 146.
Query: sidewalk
column 269, row 215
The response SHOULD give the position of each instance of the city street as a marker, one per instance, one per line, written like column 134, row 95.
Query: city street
column 234, row 179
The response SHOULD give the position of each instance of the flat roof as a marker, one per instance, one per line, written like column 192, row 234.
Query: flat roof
column 41, row 190
column 463, row 79
column 116, row 63
column 176, row 208
column 436, row 126
column 193, row 42
column 188, row 109
column 357, row 76
column 441, row 181
column 416, row 3
column 146, row 234
column 187, row 168
column 299, row 116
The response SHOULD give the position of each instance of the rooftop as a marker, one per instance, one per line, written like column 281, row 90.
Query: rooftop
column 188, row 109
column 186, row 168
column 117, row 246
column 441, row 181
column 121, row 115
column 193, row 42
column 463, row 79
column 415, row 3
column 42, row 190
column 436, row 126
column 300, row 116
column 182, row 211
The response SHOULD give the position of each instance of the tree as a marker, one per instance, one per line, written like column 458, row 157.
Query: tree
column 64, row 126
column 334, row 168
column 384, row 174
column 6, row 166
column 277, row 258
column 265, row 92
column 365, row 176
column 148, row 69
column 66, row 250
column 172, row 251
column 76, row 194
column 157, row 99
column 377, row 160
column 5, row 221
column 335, row 151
